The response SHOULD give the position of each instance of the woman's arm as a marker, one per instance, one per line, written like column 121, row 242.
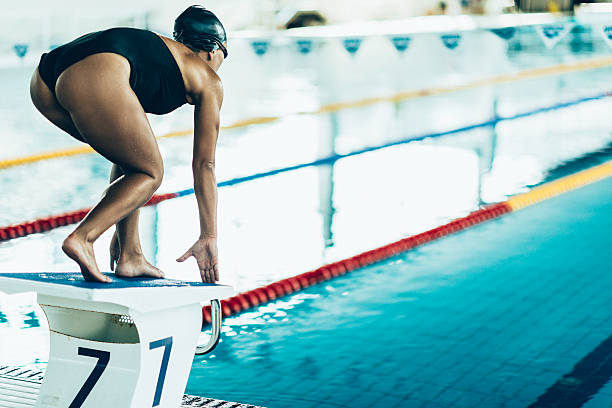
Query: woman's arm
column 206, row 131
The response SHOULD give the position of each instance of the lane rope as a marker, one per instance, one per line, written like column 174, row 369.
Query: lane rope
column 48, row 223
column 533, row 73
column 259, row 296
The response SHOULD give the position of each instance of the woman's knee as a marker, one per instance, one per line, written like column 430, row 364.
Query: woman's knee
column 158, row 176
column 155, row 175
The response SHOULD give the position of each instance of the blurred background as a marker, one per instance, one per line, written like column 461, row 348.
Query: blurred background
column 346, row 125
column 308, row 80
column 41, row 24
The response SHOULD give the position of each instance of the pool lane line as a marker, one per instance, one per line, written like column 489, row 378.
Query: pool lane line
column 51, row 222
column 560, row 186
column 585, row 380
column 255, row 297
column 533, row 73
column 68, row 152
column 48, row 223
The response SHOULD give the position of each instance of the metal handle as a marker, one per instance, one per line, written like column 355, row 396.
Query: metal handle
column 215, row 312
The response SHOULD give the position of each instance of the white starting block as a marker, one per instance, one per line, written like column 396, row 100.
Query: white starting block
column 127, row 344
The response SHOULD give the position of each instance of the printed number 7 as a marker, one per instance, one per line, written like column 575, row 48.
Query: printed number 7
column 167, row 344
column 103, row 359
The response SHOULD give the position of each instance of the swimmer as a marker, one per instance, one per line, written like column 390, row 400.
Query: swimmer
column 98, row 88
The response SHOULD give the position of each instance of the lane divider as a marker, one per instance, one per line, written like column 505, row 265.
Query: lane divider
column 252, row 298
column 533, row 73
column 52, row 222
column 48, row 223
column 275, row 290
column 562, row 185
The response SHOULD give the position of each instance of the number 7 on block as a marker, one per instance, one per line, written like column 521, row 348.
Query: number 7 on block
column 167, row 344
column 103, row 359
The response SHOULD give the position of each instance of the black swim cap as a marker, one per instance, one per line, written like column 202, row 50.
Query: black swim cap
column 200, row 29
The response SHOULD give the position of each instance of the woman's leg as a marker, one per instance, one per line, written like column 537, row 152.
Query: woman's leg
column 107, row 114
column 125, row 246
column 131, row 264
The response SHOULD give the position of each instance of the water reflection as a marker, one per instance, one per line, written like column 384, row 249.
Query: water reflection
column 327, row 148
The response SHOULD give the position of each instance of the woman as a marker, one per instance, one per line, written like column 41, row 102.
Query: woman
column 98, row 89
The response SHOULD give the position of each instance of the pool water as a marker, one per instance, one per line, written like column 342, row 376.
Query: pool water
column 494, row 316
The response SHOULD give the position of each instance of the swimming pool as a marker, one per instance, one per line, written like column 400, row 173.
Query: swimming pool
column 402, row 331
column 498, row 315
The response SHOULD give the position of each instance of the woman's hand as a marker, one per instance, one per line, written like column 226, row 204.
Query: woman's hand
column 206, row 255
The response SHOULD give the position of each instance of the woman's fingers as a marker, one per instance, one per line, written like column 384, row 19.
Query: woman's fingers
column 204, row 275
column 209, row 273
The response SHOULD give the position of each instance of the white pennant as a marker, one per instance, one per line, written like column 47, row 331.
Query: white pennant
column 551, row 34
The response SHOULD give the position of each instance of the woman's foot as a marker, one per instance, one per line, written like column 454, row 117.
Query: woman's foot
column 131, row 267
column 81, row 251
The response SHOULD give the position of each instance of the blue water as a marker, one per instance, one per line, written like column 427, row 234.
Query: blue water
column 493, row 317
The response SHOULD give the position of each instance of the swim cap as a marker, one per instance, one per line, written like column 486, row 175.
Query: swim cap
column 199, row 28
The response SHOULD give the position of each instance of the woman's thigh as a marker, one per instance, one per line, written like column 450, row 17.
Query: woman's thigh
column 104, row 109
column 46, row 103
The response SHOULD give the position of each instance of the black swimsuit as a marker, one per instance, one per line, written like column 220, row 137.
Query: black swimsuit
column 155, row 77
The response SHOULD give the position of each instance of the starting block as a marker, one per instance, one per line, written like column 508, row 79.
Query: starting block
column 127, row 344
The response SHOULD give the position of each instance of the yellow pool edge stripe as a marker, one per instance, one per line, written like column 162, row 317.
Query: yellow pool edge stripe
column 560, row 186
column 334, row 107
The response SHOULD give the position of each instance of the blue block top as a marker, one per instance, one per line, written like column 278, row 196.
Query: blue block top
column 122, row 295
column 75, row 279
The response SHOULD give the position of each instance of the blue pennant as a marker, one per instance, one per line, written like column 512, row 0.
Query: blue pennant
column 352, row 44
column 451, row 41
column 401, row 43
column 552, row 31
column 505, row 33
column 260, row 47
column 21, row 50
column 304, row 46
column 608, row 32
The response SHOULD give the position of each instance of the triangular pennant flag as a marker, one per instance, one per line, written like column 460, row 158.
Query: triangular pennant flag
column 401, row 43
column 260, row 47
column 553, row 33
column 352, row 45
column 304, row 46
column 606, row 32
column 505, row 33
column 21, row 50
column 451, row 41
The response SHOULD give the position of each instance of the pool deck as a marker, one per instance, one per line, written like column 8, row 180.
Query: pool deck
column 19, row 389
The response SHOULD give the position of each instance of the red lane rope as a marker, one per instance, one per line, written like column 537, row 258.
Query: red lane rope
column 48, row 223
column 275, row 290
column 258, row 296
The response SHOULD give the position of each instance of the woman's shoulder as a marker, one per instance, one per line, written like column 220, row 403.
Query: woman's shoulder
column 197, row 75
